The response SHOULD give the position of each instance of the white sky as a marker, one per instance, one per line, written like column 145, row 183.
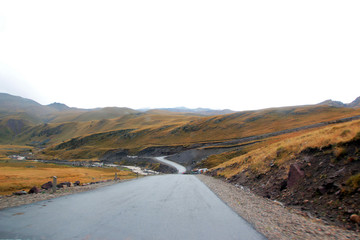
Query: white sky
column 163, row 53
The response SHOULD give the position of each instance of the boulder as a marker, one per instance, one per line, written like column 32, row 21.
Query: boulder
column 18, row 193
column 34, row 189
column 47, row 185
column 67, row 184
column 322, row 190
column 295, row 175
column 77, row 183
column 355, row 218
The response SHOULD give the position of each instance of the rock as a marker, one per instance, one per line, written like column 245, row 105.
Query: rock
column 47, row 185
column 295, row 175
column 34, row 189
column 19, row 193
column 355, row 218
column 321, row 190
column 350, row 211
column 283, row 185
column 63, row 184
column 77, row 183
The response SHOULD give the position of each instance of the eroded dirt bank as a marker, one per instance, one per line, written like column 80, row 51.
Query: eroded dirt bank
column 324, row 183
column 271, row 218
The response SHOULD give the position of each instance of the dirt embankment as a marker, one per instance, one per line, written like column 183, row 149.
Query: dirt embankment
column 271, row 218
column 324, row 183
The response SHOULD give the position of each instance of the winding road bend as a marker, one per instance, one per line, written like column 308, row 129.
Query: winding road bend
column 181, row 169
column 158, row 207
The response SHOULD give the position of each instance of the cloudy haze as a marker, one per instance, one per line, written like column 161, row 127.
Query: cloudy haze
column 217, row 54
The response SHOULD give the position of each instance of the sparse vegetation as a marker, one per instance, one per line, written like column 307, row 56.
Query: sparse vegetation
column 353, row 182
column 285, row 148
column 16, row 175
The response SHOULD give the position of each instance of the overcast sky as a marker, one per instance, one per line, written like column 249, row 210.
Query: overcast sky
column 219, row 54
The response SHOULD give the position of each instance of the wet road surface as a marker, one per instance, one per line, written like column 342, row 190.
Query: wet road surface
column 158, row 207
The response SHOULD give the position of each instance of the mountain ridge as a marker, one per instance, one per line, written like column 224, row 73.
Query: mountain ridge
column 332, row 103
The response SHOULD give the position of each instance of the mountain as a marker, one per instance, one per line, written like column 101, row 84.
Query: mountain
column 59, row 106
column 24, row 121
column 332, row 103
column 196, row 111
column 355, row 103
column 12, row 106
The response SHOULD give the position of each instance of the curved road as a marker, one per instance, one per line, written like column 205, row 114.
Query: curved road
column 157, row 207
column 181, row 169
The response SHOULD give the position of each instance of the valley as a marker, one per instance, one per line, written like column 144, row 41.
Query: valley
column 306, row 157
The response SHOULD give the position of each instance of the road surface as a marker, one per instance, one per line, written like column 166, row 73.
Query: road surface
column 158, row 207
column 181, row 169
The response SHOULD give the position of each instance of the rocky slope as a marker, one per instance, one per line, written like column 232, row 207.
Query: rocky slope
column 325, row 182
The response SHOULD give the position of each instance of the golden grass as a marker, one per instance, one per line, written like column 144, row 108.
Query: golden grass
column 16, row 176
column 353, row 182
column 283, row 149
column 163, row 129
column 6, row 150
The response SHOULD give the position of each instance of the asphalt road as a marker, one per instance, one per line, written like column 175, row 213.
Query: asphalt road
column 181, row 169
column 157, row 207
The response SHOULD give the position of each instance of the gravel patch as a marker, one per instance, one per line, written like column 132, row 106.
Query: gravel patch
column 271, row 218
column 14, row 201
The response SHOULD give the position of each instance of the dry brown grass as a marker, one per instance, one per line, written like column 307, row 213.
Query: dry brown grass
column 16, row 176
column 284, row 148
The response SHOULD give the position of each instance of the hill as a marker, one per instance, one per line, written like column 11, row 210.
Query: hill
column 196, row 111
column 56, row 112
column 317, row 171
column 13, row 105
column 139, row 132
column 353, row 104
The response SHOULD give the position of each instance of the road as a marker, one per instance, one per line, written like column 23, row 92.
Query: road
column 181, row 169
column 157, row 207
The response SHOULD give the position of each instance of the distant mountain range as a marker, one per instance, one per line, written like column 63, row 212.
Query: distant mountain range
column 27, row 109
column 198, row 111
column 59, row 112
column 24, row 121
column 353, row 104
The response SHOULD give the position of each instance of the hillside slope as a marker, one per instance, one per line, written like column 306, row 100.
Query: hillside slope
column 56, row 112
column 140, row 132
column 317, row 171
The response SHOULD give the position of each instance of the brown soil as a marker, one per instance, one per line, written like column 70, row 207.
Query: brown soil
column 323, row 191
column 271, row 218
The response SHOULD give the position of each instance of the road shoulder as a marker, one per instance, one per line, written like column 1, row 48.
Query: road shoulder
column 8, row 201
column 271, row 218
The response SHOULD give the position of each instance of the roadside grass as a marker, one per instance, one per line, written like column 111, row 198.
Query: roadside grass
column 280, row 150
column 16, row 175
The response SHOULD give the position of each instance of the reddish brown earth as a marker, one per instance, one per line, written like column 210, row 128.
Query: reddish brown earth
column 316, row 183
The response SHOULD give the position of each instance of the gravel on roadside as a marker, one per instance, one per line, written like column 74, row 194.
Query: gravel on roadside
column 271, row 218
column 14, row 201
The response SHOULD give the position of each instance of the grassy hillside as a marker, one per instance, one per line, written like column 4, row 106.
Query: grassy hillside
column 281, row 150
column 141, row 131
column 75, row 115
column 317, row 171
